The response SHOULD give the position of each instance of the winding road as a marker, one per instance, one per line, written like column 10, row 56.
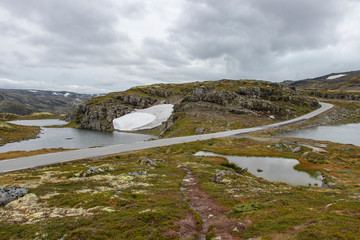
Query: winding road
column 52, row 158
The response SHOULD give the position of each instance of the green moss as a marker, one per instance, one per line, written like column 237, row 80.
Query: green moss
column 247, row 207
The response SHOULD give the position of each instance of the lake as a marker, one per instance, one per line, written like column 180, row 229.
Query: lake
column 273, row 169
column 347, row 133
column 70, row 137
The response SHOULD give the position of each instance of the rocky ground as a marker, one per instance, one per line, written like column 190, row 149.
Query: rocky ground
column 167, row 193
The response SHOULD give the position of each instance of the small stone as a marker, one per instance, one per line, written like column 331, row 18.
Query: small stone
column 218, row 237
column 210, row 216
column 90, row 171
column 199, row 131
column 160, row 160
column 278, row 146
column 305, row 154
column 296, row 149
column 147, row 162
column 138, row 173
column 235, row 229
column 241, row 225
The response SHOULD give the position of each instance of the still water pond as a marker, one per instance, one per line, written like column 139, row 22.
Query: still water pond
column 273, row 169
column 69, row 137
column 348, row 133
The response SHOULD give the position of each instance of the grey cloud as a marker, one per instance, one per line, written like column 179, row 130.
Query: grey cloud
column 78, row 21
column 255, row 31
column 82, row 32
column 165, row 52
column 109, row 43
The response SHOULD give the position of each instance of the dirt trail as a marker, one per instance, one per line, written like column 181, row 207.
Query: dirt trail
column 213, row 216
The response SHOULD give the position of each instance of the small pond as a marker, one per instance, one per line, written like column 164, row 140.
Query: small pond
column 69, row 137
column 272, row 169
column 347, row 133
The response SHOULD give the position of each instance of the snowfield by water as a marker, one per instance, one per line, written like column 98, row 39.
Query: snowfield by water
column 336, row 76
column 144, row 118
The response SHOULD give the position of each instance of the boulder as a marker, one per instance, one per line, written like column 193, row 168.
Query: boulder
column 296, row 149
column 220, row 174
column 8, row 194
column 147, row 161
column 137, row 173
column 90, row 171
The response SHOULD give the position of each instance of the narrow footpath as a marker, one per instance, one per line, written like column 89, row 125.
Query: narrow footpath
column 215, row 223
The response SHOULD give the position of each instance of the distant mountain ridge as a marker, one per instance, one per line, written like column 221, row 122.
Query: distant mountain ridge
column 26, row 101
column 343, row 81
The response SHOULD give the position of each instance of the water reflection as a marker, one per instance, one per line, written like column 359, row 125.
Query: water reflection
column 272, row 169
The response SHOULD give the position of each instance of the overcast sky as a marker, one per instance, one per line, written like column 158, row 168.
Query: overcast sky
column 95, row 46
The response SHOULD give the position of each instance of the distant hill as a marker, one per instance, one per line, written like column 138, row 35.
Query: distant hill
column 344, row 81
column 23, row 102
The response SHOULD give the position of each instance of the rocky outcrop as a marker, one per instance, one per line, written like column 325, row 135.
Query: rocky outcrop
column 334, row 95
column 228, row 96
column 9, row 194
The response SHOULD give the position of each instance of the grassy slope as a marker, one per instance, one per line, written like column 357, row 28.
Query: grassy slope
column 12, row 133
column 151, row 206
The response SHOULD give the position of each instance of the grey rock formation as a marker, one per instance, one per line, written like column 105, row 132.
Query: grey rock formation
column 137, row 173
column 90, row 171
column 220, row 174
column 148, row 162
column 8, row 194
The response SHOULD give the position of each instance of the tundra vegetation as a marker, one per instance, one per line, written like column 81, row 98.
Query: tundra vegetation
column 124, row 198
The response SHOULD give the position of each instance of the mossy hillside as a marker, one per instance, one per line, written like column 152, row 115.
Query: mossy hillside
column 119, row 205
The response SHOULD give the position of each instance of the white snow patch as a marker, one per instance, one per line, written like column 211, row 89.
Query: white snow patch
column 54, row 93
column 144, row 118
column 33, row 91
column 133, row 121
column 336, row 76
column 66, row 94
